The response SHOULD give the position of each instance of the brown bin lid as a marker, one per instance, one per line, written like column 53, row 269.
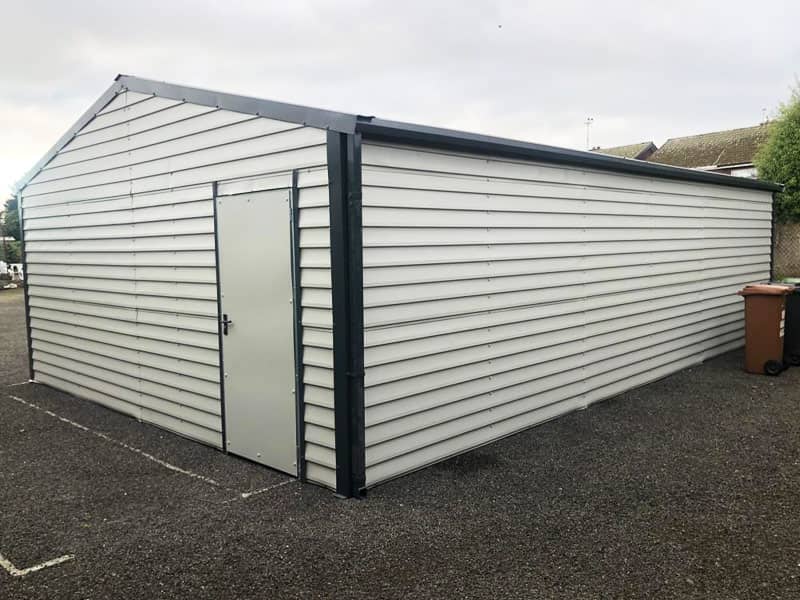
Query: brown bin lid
column 765, row 289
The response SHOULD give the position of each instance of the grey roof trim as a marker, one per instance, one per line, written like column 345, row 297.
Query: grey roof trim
column 291, row 113
column 95, row 108
column 392, row 131
column 281, row 111
column 733, row 165
column 473, row 142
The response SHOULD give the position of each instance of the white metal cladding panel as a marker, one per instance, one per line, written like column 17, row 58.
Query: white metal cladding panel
column 130, row 327
column 315, row 299
column 120, row 247
column 499, row 294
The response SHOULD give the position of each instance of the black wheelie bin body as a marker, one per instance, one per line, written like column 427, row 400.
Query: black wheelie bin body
column 791, row 332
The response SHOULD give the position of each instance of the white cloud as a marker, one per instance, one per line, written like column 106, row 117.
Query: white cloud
column 527, row 70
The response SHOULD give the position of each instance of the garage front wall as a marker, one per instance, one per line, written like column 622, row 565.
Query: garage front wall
column 499, row 294
column 120, row 249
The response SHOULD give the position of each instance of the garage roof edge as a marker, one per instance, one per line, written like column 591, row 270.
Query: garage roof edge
column 281, row 111
column 383, row 129
column 437, row 137
column 87, row 116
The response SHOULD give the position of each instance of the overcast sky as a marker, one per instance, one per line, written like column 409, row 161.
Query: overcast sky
column 529, row 70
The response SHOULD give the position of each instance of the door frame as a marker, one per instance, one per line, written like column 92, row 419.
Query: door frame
column 299, row 387
column 214, row 189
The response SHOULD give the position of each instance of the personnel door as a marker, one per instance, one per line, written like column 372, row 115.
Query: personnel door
column 255, row 268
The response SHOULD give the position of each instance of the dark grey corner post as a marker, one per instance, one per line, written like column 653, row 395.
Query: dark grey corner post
column 344, row 184
column 26, row 280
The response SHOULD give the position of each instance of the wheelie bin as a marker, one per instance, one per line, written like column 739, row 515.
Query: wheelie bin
column 764, row 309
column 791, row 338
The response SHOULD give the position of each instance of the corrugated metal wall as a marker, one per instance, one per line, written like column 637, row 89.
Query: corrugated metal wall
column 120, row 249
column 499, row 294
column 317, row 319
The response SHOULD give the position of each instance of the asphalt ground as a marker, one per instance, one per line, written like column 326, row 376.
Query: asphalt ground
column 685, row 488
column 13, row 357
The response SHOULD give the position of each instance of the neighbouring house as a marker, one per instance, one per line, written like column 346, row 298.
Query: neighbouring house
column 640, row 151
column 728, row 152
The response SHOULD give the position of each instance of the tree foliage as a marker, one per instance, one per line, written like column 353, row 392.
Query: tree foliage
column 9, row 219
column 778, row 159
column 9, row 227
column 10, row 251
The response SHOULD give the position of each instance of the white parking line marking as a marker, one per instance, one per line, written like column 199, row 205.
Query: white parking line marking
column 250, row 494
column 107, row 438
column 19, row 383
column 142, row 453
column 246, row 495
column 15, row 572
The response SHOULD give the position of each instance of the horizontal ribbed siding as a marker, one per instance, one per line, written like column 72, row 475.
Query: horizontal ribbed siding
column 500, row 294
column 119, row 235
column 317, row 320
column 133, row 329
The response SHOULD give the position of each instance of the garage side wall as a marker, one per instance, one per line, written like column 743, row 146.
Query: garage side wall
column 499, row 294
column 120, row 246
column 317, row 334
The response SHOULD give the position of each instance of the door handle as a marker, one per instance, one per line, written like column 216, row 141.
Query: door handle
column 226, row 322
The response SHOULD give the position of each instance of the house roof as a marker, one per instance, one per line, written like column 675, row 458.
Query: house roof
column 628, row 151
column 394, row 131
column 716, row 149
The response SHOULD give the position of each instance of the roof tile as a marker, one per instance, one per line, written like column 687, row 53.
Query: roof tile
column 629, row 151
column 716, row 149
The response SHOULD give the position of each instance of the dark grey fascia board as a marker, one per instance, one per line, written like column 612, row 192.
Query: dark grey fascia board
column 449, row 139
column 95, row 108
column 280, row 111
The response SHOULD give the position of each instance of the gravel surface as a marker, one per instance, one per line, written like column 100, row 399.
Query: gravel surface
column 686, row 488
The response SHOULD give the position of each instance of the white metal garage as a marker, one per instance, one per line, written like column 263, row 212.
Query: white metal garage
column 375, row 296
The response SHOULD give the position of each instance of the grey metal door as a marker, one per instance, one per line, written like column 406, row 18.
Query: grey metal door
column 254, row 241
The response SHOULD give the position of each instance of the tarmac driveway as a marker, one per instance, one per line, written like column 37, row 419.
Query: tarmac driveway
column 686, row 488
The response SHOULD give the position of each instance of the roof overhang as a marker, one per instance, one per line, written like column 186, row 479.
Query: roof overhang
column 735, row 166
column 393, row 131
column 473, row 142
column 281, row 111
